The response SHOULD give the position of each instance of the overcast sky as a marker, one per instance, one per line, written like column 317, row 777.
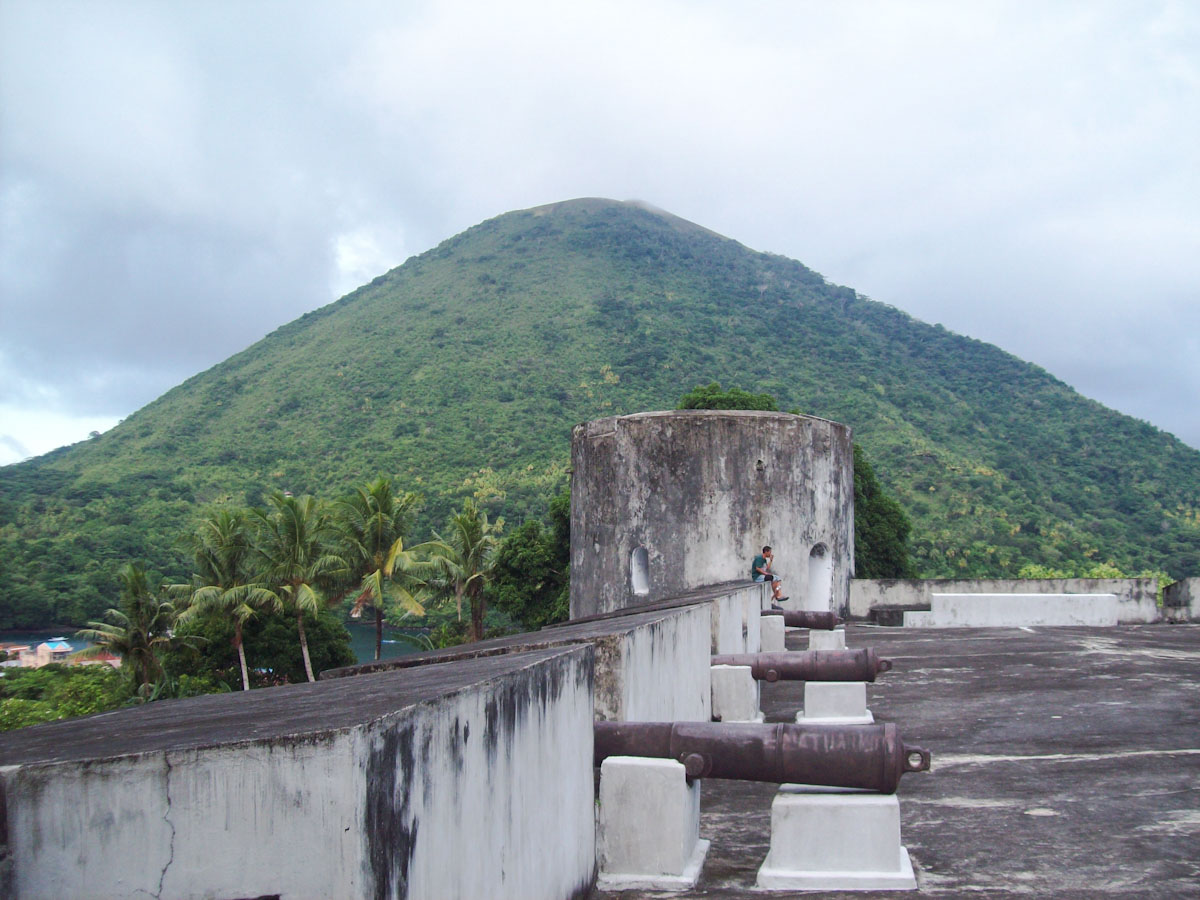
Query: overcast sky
column 179, row 178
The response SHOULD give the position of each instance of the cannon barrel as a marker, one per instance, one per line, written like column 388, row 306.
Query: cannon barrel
column 872, row 757
column 806, row 618
column 809, row 665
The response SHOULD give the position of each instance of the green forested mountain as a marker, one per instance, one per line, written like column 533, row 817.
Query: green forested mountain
column 463, row 371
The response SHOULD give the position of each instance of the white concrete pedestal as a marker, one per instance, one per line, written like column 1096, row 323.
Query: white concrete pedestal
column 771, row 634
column 831, row 839
column 734, row 695
column 647, row 826
column 827, row 640
column 835, row 703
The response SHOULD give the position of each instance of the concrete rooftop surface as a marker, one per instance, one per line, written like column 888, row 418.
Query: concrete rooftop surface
column 305, row 711
column 1066, row 763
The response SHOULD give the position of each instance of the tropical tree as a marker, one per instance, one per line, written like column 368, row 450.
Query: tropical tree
column 531, row 576
column 372, row 524
column 135, row 631
column 881, row 528
column 297, row 564
column 464, row 559
column 711, row 396
column 223, row 583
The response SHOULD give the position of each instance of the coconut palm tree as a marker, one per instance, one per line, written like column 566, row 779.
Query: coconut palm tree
column 372, row 524
column 464, row 559
column 135, row 631
column 296, row 562
column 223, row 584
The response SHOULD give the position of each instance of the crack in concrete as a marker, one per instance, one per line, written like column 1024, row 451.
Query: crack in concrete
column 162, row 877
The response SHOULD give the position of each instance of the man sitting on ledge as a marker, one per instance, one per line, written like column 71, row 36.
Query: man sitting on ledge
column 760, row 570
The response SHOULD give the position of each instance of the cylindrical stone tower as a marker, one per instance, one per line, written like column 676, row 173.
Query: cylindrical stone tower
column 666, row 502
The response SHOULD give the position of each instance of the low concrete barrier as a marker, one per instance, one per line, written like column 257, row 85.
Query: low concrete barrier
column 736, row 621
column 428, row 782
column 356, row 786
column 1137, row 598
column 657, row 670
column 650, row 666
column 1181, row 600
column 1015, row 610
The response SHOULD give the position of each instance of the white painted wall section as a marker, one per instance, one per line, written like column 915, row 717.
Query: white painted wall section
column 377, row 808
column 229, row 821
column 1137, row 598
column 495, row 801
column 736, row 625
column 1014, row 610
column 660, row 670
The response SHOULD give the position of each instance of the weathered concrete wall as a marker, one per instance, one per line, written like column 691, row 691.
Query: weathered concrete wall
column 1015, row 610
column 663, row 673
column 1136, row 597
column 535, row 733
column 1181, row 600
column 736, row 619
column 648, row 665
column 182, row 823
column 665, row 502
column 423, row 783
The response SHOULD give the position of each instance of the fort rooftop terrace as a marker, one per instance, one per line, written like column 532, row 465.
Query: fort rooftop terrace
column 1066, row 763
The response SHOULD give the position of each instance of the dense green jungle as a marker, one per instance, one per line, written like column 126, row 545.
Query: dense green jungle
column 462, row 372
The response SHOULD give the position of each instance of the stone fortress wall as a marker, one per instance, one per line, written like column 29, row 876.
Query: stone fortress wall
column 666, row 502
column 357, row 785
column 343, row 788
column 1181, row 601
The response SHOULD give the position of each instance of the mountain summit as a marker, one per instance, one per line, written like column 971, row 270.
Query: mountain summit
column 463, row 370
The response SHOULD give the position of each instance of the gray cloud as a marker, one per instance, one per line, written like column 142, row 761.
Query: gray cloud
column 176, row 180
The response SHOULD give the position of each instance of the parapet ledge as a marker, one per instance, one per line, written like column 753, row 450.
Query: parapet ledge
column 296, row 712
column 589, row 630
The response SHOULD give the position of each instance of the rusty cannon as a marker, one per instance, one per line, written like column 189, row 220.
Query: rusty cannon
column 871, row 757
column 806, row 618
column 809, row 665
